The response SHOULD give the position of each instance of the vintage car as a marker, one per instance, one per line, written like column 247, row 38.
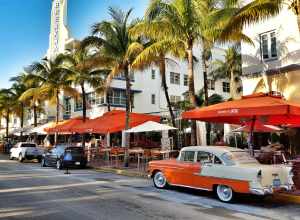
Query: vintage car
column 224, row 170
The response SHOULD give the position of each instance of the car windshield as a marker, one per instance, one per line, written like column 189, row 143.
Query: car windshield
column 238, row 157
column 28, row 145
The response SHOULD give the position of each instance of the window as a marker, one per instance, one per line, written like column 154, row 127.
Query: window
column 117, row 97
column 94, row 99
column 78, row 104
column 205, row 157
column 174, row 78
column 185, row 80
column 153, row 74
column 268, row 45
column 121, row 76
column 67, row 105
column 174, row 99
column 211, row 84
column 153, row 99
column 226, row 87
column 187, row 156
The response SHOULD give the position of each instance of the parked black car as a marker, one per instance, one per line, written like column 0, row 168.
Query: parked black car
column 62, row 156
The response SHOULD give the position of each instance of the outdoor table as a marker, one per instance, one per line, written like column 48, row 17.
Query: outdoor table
column 137, row 151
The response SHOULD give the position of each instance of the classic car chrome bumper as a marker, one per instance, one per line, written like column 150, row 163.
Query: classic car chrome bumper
column 270, row 190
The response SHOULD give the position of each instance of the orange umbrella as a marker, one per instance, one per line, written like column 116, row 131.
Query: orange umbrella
column 66, row 126
column 113, row 121
column 266, row 108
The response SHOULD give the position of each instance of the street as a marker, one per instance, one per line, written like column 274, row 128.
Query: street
column 28, row 191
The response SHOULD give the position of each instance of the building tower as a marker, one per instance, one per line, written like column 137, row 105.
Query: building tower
column 59, row 33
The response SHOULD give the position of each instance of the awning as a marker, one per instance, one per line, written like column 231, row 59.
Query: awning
column 150, row 126
column 113, row 121
column 65, row 126
column 40, row 129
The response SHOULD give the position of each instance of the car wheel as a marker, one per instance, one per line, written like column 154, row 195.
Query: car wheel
column 58, row 165
column 159, row 180
column 43, row 163
column 224, row 193
column 11, row 157
column 21, row 159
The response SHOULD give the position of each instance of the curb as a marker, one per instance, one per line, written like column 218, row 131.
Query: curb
column 284, row 197
column 121, row 172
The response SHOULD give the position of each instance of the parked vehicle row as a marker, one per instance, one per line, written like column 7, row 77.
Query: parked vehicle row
column 60, row 156
column 223, row 170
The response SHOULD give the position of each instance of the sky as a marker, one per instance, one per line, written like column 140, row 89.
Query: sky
column 25, row 26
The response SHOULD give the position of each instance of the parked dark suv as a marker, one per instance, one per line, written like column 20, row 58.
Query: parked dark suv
column 62, row 156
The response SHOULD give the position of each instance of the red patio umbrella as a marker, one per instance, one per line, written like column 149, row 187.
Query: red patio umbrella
column 113, row 121
column 266, row 108
column 66, row 126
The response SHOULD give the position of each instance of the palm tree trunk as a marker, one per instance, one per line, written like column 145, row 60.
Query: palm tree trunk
column 57, row 107
column 22, row 119
column 83, row 111
column 128, row 97
column 34, row 115
column 162, row 69
column 192, row 90
column 7, row 123
column 108, row 101
column 232, row 87
column 83, row 103
column 205, row 82
column 298, row 15
column 128, row 107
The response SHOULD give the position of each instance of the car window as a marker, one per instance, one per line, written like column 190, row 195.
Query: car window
column 187, row 156
column 28, row 145
column 205, row 157
column 238, row 157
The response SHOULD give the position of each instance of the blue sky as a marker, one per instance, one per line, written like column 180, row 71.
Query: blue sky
column 25, row 26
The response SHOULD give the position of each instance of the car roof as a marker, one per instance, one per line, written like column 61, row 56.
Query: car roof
column 216, row 150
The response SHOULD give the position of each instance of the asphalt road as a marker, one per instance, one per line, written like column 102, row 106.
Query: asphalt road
column 28, row 191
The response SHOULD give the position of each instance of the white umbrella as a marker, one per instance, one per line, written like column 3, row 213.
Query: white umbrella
column 150, row 126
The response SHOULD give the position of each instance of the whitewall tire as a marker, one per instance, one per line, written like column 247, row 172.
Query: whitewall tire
column 159, row 180
column 224, row 193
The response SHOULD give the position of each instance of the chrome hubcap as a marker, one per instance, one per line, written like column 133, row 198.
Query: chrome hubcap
column 160, row 180
column 224, row 193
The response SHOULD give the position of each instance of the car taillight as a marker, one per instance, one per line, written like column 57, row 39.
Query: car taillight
column 259, row 176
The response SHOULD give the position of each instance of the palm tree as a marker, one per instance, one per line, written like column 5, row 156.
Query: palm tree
column 156, row 54
column 117, row 48
column 30, row 97
column 52, row 79
column 251, row 13
column 230, row 68
column 7, row 106
column 18, row 88
column 82, row 67
column 177, row 21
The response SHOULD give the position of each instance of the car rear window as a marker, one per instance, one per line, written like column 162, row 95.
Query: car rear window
column 74, row 149
column 240, row 157
column 28, row 145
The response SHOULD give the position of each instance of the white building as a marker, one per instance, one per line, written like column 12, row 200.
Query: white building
column 272, row 64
